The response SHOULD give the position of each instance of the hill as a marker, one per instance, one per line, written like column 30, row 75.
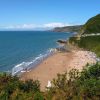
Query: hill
column 91, row 43
column 68, row 29
column 92, row 25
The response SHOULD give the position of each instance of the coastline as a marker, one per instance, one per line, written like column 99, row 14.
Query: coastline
column 60, row 62
column 26, row 66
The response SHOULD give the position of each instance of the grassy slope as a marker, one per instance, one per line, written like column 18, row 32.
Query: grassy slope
column 92, row 25
column 91, row 43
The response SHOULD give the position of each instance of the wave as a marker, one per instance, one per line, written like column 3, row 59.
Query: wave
column 26, row 66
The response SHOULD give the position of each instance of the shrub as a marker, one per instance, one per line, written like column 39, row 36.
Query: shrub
column 38, row 96
column 75, row 85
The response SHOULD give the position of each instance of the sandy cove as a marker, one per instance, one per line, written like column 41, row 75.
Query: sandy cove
column 58, row 63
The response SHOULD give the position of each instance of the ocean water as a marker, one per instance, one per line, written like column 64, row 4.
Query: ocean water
column 23, row 49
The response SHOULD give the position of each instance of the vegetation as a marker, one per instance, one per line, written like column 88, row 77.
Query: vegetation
column 74, row 85
column 92, row 25
column 77, row 85
column 11, row 88
column 91, row 43
column 75, row 28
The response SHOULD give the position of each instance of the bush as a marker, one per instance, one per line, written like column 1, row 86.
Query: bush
column 12, row 87
column 38, row 96
column 30, row 85
column 91, row 43
column 75, row 85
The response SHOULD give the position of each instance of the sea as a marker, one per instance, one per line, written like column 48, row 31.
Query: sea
column 21, row 50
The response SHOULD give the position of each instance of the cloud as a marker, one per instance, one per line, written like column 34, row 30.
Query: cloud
column 24, row 26
column 34, row 26
column 52, row 25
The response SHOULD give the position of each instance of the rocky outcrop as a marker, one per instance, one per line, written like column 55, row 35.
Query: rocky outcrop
column 62, row 41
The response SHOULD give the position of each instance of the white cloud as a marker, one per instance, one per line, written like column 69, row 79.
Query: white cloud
column 24, row 26
column 34, row 26
column 52, row 25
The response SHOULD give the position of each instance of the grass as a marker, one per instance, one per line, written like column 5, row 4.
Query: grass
column 91, row 43
column 92, row 25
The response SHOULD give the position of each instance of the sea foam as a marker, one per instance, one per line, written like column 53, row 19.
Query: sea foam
column 26, row 66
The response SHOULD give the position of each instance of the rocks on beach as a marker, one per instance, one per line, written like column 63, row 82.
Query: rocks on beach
column 62, row 41
column 81, row 58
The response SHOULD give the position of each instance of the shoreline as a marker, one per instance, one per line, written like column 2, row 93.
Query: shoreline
column 26, row 66
column 60, row 62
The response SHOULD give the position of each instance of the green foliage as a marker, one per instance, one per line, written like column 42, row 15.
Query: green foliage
column 60, row 82
column 38, row 96
column 11, row 88
column 92, row 25
column 93, row 72
column 74, row 85
column 30, row 86
column 73, row 40
column 91, row 43
column 77, row 85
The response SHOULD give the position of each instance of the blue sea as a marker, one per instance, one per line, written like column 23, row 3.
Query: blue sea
column 23, row 49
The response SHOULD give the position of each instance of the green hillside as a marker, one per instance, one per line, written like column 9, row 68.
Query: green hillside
column 92, row 25
column 91, row 43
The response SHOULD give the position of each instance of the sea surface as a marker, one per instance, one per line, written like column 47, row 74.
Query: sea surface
column 19, row 49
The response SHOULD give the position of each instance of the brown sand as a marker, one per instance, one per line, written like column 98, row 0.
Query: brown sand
column 58, row 63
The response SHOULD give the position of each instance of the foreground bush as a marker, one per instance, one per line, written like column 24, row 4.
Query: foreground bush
column 12, row 87
column 75, row 85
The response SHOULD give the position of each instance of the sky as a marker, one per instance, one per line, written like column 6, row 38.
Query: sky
column 38, row 14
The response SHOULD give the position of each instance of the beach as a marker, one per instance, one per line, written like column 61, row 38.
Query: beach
column 60, row 62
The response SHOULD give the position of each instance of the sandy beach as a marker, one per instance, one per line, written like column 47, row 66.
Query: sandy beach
column 58, row 63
